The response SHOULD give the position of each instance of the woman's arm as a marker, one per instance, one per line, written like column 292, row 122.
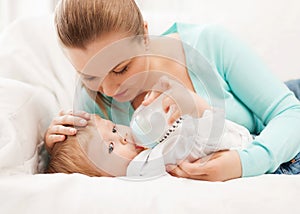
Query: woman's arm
column 269, row 100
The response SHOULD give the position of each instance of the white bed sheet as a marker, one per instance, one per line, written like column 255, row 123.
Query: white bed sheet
column 77, row 193
column 32, row 63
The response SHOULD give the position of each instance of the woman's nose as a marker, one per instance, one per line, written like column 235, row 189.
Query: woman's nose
column 108, row 87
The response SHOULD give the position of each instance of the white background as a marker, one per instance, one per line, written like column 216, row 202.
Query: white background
column 270, row 27
column 11, row 10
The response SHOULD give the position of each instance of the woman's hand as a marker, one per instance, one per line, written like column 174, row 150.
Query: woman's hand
column 168, row 104
column 179, row 100
column 63, row 125
column 220, row 166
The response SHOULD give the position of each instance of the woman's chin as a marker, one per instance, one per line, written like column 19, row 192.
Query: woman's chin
column 127, row 97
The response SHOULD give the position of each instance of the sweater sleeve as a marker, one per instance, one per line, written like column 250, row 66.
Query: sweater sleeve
column 264, row 95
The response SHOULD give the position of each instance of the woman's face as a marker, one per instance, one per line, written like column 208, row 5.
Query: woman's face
column 117, row 71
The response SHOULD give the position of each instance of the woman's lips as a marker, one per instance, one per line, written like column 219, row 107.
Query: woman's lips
column 119, row 95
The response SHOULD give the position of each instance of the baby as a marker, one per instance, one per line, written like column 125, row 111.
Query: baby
column 103, row 148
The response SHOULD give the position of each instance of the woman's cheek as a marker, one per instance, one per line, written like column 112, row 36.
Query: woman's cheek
column 93, row 85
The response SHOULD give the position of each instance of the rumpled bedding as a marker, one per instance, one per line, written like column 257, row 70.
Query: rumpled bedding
column 36, row 81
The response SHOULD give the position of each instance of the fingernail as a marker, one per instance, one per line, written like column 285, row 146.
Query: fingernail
column 83, row 122
column 73, row 130
column 146, row 96
column 87, row 115
column 169, row 168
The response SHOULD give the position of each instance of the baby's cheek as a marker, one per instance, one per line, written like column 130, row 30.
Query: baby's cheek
column 127, row 155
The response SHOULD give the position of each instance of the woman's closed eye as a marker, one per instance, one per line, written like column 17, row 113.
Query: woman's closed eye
column 120, row 71
column 89, row 78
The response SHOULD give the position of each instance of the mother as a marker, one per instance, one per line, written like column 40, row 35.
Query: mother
column 252, row 96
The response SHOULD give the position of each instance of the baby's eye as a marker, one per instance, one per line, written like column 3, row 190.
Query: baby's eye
column 114, row 130
column 110, row 148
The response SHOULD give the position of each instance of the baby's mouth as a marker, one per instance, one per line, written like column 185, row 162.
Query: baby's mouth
column 140, row 148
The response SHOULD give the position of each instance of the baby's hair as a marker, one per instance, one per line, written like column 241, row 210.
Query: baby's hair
column 68, row 156
column 79, row 23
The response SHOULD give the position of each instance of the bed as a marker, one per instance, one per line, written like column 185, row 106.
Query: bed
column 36, row 81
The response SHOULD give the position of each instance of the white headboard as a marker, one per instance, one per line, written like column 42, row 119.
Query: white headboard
column 270, row 27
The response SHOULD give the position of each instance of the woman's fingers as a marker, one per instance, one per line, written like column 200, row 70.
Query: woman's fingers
column 51, row 140
column 69, row 120
column 187, row 170
column 57, row 133
column 169, row 106
column 194, row 168
column 173, row 117
column 63, row 126
column 175, row 170
column 61, row 130
column 82, row 114
column 220, row 166
column 64, row 112
column 150, row 96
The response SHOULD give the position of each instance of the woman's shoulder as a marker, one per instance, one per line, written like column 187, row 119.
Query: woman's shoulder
column 196, row 33
column 183, row 27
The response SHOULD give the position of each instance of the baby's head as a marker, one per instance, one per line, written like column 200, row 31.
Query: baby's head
column 102, row 148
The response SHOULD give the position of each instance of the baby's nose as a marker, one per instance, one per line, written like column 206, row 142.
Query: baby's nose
column 124, row 141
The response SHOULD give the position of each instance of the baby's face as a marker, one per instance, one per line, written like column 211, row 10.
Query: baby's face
column 118, row 139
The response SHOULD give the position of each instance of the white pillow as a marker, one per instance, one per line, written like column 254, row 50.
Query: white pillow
column 36, row 81
column 30, row 53
column 25, row 114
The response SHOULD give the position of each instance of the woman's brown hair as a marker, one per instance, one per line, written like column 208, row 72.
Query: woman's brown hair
column 80, row 22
